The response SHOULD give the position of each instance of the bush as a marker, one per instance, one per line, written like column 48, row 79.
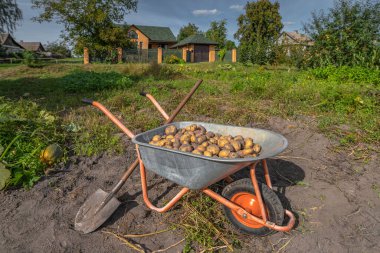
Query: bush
column 25, row 130
column 173, row 59
column 82, row 81
column 345, row 73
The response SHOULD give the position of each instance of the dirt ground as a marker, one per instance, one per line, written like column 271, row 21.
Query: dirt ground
column 336, row 200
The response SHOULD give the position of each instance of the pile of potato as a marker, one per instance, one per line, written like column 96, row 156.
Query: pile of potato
column 197, row 140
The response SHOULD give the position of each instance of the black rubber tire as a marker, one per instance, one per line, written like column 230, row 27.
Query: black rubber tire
column 271, row 201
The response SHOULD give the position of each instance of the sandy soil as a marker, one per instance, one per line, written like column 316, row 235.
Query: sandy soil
column 337, row 207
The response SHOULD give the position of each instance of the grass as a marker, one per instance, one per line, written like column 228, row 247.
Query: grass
column 344, row 103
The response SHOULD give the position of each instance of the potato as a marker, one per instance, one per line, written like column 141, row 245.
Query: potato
column 176, row 145
column 213, row 149
column 171, row 130
column 185, row 143
column 156, row 138
column 184, row 138
column 248, row 143
column 205, row 144
column 224, row 153
column 168, row 146
column 161, row 143
column 153, row 143
column 201, row 148
column 229, row 147
column 228, row 137
column 170, row 137
column 236, row 144
column 201, row 139
column 257, row 148
column 233, row 155
column 202, row 129
column 239, row 138
column 210, row 135
column 193, row 127
column 193, row 138
column 222, row 142
column 207, row 153
column 197, row 152
column 194, row 145
column 213, row 140
column 246, row 151
column 186, row 148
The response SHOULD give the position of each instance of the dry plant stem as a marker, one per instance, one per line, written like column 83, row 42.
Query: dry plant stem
column 171, row 246
column 204, row 219
column 213, row 249
column 126, row 242
column 284, row 246
column 149, row 234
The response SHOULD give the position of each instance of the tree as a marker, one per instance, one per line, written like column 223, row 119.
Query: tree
column 10, row 14
column 258, row 29
column 187, row 30
column 218, row 32
column 346, row 35
column 59, row 48
column 230, row 45
column 89, row 23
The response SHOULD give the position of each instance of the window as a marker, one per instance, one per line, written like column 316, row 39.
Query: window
column 132, row 35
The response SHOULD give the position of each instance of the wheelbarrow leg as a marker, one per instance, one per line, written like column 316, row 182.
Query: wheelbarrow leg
column 145, row 190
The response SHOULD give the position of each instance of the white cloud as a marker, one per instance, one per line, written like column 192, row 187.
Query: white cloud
column 237, row 7
column 289, row 22
column 205, row 12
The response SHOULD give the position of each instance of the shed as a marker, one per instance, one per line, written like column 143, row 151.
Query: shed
column 33, row 46
column 197, row 48
column 10, row 44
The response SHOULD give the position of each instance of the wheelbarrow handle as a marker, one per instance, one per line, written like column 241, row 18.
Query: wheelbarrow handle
column 87, row 101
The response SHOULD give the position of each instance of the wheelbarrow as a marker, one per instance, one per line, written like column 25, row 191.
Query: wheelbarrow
column 252, row 207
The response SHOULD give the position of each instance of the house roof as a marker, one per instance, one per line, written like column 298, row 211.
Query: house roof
column 31, row 46
column 157, row 33
column 195, row 39
column 4, row 37
column 300, row 38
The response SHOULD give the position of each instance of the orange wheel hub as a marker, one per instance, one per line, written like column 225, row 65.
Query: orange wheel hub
column 249, row 202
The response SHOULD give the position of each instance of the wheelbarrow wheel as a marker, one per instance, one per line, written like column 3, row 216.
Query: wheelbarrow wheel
column 242, row 193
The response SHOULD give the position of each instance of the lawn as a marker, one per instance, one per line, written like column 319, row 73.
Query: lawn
column 40, row 106
column 343, row 102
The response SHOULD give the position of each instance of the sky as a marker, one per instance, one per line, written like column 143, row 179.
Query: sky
column 176, row 14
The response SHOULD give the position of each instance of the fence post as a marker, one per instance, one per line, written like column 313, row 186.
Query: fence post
column 86, row 57
column 119, row 55
column 211, row 53
column 233, row 54
column 159, row 55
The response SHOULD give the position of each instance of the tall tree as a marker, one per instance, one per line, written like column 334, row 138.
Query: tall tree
column 187, row 30
column 348, row 34
column 9, row 15
column 218, row 32
column 58, row 48
column 230, row 45
column 258, row 28
column 89, row 23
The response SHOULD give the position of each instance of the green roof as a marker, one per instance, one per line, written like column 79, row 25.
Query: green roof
column 157, row 33
column 195, row 39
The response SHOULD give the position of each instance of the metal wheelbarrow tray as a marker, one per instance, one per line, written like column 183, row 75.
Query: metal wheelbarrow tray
column 251, row 206
column 195, row 171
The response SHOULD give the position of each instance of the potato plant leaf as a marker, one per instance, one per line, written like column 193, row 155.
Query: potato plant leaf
column 4, row 176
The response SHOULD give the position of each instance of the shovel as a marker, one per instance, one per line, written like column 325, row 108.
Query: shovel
column 101, row 205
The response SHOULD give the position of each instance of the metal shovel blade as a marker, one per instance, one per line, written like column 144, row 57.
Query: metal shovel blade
column 92, row 214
